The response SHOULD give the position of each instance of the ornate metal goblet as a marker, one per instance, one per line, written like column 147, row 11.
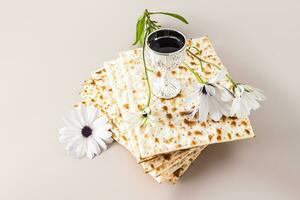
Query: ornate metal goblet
column 165, row 50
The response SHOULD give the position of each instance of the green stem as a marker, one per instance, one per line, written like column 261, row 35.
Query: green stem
column 197, row 76
column 146, row 71
column 216, row 66
column 195, row 56
column 231, row 80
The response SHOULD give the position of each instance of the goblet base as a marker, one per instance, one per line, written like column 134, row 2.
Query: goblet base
column 166, row 88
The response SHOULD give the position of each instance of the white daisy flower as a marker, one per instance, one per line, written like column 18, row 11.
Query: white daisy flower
column 211, row 99
column 246, row 99
column 143, row 118
column 85, row 133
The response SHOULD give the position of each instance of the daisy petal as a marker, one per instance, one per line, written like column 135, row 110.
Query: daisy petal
column 79, row 116
column 80, row 149
column 99, row 122
column 92, row 114
column 203, row 108
column 90, row 154
column 72, row 121
column 215, row 113
column 235, row 106
column 259, row 96
column 73, row 143
column 211, row 91
column 100, row 142
column 84, row 114
column 93, row 146
column 226, row 95
column 66, row 138
column 251, row 101
column 69, row 130
column 102, row 133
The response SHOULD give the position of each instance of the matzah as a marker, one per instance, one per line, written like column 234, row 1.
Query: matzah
column 174, row 131
column 97, row 92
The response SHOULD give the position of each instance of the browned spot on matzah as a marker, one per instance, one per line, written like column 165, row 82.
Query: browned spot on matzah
column 193, row 63
column 237, row 135
column 171, row 125
column 198, row 133
column 210, row 137
column 219, row 137
column 179, row 95
column 247, row 131
column 140, row 107
column 126, row 105
column 161, row 121
column 156, row 140
column 182, row 68
column 189, row 123
column 189, row 133
column 244, row 123
column 169, row 115
column 134, row 91
column 193, row 143
column 178, row 137
column 158, row 74
column 173, row 72
column 203, row 124
column 103, row 87
column 233, row 124
column 165, row 108
column 198, row 45
column 146, row 136
column 93, row 82
column 168, row 141
column 177, row 172
column 178, row 146
column 183, row 113
column 223, row 118
column 229, row 135
column 219, row 131
column 207, row 72
column 124, row 138
column 167, row 156
column 131, row 61
column 174, row 109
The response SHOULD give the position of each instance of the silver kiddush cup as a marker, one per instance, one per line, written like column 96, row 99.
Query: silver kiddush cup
column 165, row 50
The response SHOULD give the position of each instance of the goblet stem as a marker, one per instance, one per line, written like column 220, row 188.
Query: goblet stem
column 165, row 77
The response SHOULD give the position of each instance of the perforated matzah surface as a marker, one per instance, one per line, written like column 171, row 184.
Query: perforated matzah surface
column 173, row 131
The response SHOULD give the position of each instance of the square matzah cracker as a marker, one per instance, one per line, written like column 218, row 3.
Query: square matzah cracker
column 174, row 131
column 98, row 93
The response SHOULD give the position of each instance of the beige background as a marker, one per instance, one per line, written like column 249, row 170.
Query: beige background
column 48, row 48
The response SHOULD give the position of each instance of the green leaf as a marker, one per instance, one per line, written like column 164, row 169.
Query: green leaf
column 179, row 17
column 140, row 25
column 141, row 41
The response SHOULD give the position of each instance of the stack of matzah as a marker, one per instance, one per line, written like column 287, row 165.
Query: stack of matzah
column 168, row 149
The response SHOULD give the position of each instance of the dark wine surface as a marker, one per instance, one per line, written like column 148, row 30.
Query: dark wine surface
column 166, row 44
